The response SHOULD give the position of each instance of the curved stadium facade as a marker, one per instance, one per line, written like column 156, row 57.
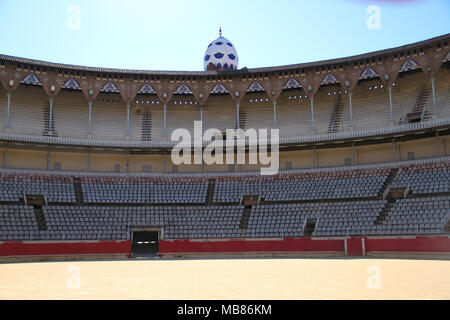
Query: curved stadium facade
column 364, row 146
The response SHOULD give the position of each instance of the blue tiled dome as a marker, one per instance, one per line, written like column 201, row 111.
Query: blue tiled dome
column 222, row 54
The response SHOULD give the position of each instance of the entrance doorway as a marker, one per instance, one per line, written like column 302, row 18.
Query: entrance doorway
column 145, row 243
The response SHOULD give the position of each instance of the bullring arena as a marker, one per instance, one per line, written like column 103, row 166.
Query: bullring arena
column 92, row 201
column 240, row 279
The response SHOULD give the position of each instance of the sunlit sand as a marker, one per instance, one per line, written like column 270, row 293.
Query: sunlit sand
column 228, row 279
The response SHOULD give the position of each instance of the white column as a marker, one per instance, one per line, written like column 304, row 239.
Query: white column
column 90, row 118
column 350, row 108
column 390, row 104
column 274, row 113
column 363, row 244
column 433, row 89
column 128, row 119
column 165, row 121
column 50, row 120
column 237, row 115
column 8, row 110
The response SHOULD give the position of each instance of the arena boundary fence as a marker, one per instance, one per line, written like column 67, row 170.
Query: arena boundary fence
column 400, row 247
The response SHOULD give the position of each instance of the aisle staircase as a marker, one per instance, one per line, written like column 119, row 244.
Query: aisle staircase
column 146, row 126
column 335, row 121
column 46, row 120
column 40, row 218
column 78, row 190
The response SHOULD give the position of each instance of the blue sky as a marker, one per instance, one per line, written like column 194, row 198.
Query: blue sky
column 174, row 34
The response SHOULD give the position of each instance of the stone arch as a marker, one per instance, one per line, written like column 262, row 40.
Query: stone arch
column 409, row 64
column 368, row 73
column 255, row 87
column 146, row 89
column 292, row 83
column 329, row 79
column 183, row 89
column 31, row 79
column 219, row 88
column 110, row 87
column 71, row 84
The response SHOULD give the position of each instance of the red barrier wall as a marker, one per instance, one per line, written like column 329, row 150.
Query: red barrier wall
column 286, row 245
column 354, row 247
column 417, row 244
column 64, row 248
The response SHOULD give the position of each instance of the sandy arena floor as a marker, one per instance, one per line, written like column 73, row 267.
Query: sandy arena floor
column 228, row 279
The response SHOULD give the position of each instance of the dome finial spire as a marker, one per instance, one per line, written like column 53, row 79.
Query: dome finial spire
column 220, row 31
